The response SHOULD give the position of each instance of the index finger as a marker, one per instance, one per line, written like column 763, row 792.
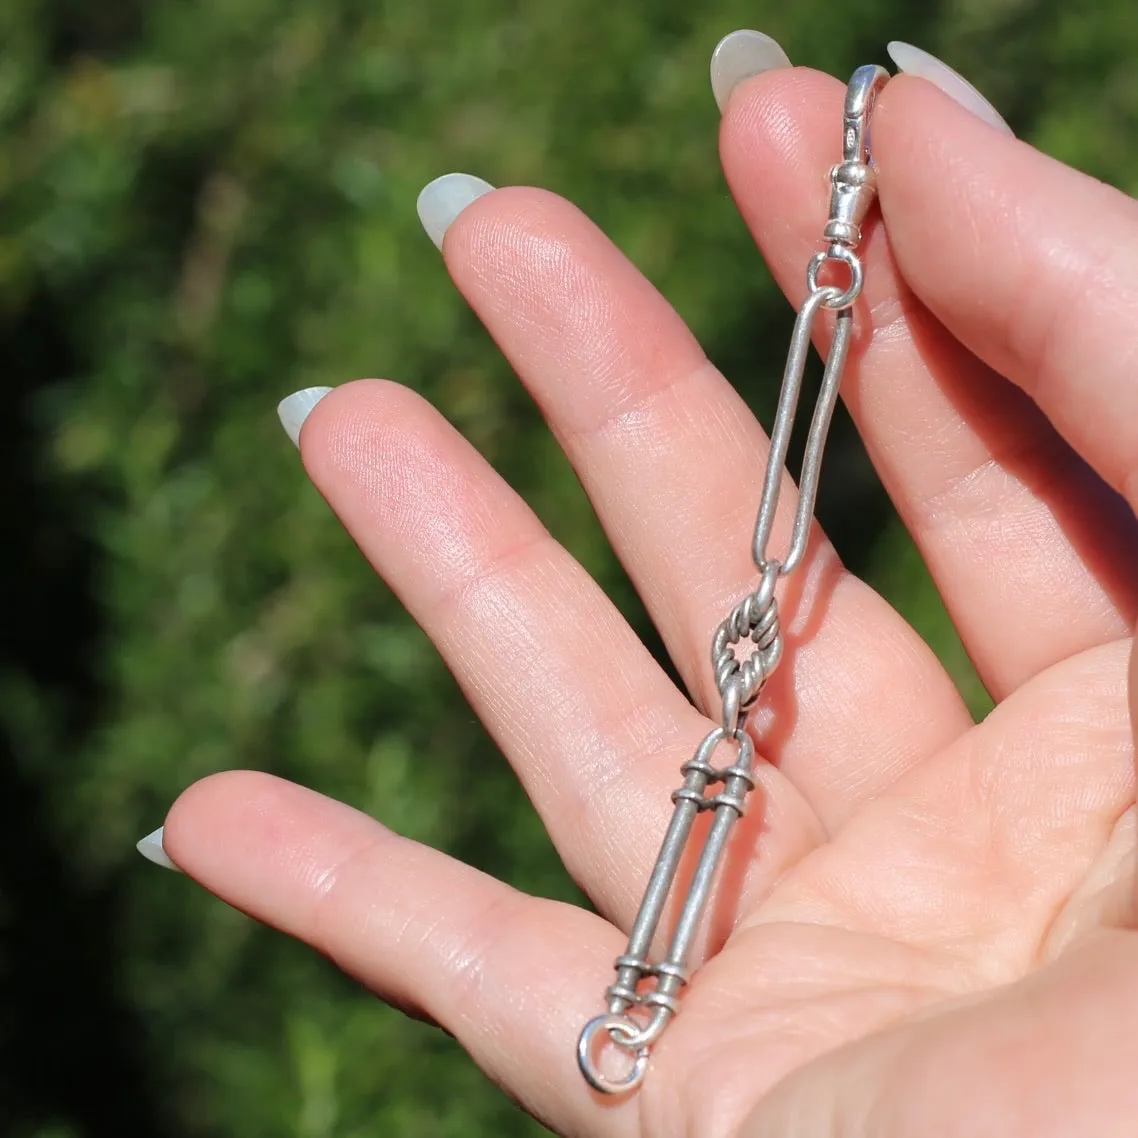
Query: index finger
column 1005, row 513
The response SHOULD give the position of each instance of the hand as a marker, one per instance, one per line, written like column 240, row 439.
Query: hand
column 924, row 925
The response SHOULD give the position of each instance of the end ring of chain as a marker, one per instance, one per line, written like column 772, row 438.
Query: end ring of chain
column 613, row 1026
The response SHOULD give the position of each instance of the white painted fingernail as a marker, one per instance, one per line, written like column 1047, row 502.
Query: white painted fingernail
column 738, row 56
column 913, row 61
column 442, row 200
column 151, row 848
column 295, row 408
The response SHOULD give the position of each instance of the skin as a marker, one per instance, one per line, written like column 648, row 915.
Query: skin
column 927, row 926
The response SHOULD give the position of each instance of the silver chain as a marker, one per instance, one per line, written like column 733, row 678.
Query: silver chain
column 652, row 989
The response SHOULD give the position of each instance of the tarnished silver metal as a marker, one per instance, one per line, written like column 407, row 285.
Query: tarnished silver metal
column 816, row 438
column 645, row 995
column 853, row 182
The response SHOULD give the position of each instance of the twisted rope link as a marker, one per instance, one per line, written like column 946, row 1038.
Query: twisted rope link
column 756, row 618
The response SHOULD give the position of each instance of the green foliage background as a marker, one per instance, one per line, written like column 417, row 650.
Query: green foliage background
column 204, row 207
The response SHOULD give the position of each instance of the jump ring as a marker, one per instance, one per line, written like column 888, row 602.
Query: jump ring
column 732, row 696
column 848, row 257
column 612, row 1025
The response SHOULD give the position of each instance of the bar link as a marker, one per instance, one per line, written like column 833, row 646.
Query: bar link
column 646, row 994
column 668, row 977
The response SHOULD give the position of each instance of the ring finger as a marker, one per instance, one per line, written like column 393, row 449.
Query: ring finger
column 594, row 728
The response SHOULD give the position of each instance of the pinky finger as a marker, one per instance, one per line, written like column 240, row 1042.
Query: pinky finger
column 512, row 977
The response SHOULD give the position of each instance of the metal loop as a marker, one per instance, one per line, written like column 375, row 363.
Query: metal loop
column 700, row 767
column 816, row 438
column 735, row 801
column 665, row 1006
column 613, row 1026
column 660, row 1000
column 717, row 735
column 638, row 962
column 685, row 793
column 839, row 299
column 771, row 570
column 732, row 696
column 626, row 995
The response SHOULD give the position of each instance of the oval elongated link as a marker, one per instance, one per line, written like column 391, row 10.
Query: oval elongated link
column 784, row 425
column 645, row 994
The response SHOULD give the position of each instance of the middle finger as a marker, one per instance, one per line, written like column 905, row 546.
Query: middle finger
column 672, row 460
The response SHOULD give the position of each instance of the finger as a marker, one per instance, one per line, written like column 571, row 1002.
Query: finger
column 673, row 461
column 1032, row 265
column 1006, row 516
column 512, row 977
column 593, row 727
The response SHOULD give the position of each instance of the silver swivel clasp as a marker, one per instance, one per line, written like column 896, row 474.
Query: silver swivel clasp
column 853, row 183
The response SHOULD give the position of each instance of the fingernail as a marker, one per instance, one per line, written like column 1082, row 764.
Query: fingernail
column 151, row 848
column 913, row 61
column 738, row 56
column 295, row 408
column 442, row 200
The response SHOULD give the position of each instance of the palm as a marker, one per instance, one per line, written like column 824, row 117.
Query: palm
column 994, row 858
column 900, row 869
